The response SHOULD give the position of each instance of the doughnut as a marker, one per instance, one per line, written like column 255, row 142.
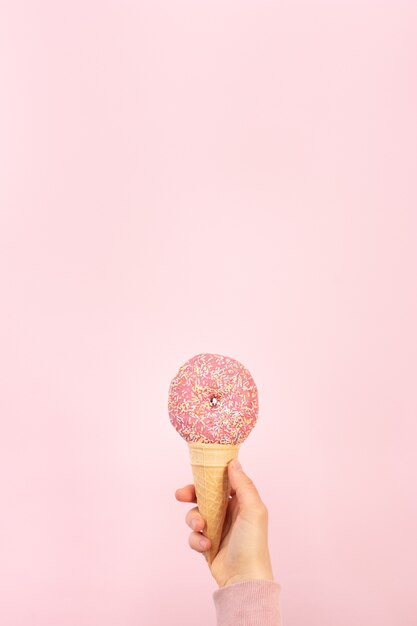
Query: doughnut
column 213, row 399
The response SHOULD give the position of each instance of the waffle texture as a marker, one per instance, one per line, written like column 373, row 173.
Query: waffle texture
column 209, row 464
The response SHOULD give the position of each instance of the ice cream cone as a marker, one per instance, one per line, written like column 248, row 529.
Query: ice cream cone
column 209, row 463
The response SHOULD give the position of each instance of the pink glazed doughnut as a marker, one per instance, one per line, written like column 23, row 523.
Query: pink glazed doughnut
column 213, row 399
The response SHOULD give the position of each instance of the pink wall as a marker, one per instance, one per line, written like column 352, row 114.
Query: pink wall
column 182, row 177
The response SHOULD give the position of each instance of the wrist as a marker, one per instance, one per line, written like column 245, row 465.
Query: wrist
column 255, row 574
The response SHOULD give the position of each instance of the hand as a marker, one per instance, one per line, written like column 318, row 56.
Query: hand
column 244, row 552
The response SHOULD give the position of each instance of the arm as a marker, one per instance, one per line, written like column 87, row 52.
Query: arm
column 249, row 603
column 247, row 593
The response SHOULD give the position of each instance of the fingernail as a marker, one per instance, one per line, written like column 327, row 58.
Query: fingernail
column 203, row 543
column 236, row 465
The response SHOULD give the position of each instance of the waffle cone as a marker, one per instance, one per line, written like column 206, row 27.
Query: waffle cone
column 209, row 464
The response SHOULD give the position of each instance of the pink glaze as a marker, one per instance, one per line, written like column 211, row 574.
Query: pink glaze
column 213, row 399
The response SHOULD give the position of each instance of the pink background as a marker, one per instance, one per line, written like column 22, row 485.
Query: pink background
column 181, row 177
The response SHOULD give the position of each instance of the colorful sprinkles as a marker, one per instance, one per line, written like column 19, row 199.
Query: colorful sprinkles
column 213, row 399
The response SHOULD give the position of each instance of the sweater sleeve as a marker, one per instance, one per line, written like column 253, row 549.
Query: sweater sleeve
column 250, row 603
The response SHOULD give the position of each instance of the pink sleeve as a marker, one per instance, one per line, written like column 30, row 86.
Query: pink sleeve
column 251, row 603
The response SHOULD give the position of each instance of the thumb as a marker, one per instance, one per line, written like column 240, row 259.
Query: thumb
column 246, row 492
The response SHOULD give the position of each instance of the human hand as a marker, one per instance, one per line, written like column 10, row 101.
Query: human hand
column 243, row 553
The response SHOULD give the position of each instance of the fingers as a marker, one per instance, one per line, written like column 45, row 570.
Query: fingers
column 246, row 492
column 194, row 520
column 186, row 494
column 198, row 542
